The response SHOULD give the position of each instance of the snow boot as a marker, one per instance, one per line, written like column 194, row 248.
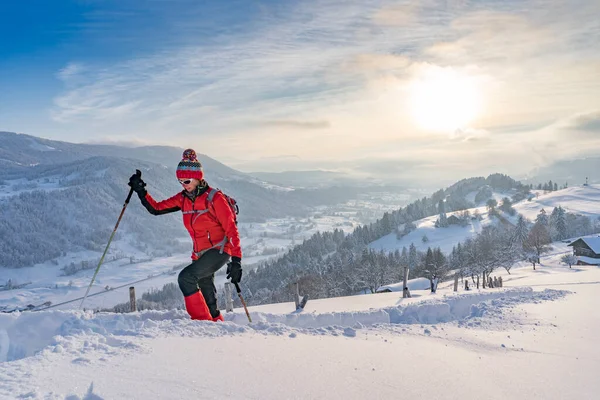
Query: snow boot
column 219, row 317
column 197, row 308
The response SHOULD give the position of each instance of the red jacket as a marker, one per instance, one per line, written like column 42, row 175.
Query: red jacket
column 210, row 225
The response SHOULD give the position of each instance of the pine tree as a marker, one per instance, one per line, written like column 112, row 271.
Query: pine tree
column 404, row 257
column 542, row 218
column 413, row 257
column 560, row 223
column 519, row 236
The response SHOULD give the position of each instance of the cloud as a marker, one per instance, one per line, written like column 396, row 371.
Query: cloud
column 587, row 122
column 397, row 14
column 69, row 71
column 296, row 124
column 373, row 62
column 331, row 78
column 470, row 135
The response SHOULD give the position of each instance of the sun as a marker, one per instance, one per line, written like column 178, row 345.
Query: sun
column 444, row 100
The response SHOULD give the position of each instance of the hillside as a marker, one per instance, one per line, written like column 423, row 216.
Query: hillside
column 329, row 254
column 79, row 189
column 582, row 200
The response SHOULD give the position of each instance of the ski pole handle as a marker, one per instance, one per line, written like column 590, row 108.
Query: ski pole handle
column 139, row 175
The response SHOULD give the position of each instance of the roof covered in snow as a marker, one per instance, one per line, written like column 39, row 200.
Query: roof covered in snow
column 589, row 260
column 593, row 242
column 413, row 284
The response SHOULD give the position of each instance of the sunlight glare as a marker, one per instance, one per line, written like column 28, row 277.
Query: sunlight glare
column 443, row 100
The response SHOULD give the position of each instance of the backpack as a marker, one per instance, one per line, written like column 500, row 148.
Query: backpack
column 230, row 201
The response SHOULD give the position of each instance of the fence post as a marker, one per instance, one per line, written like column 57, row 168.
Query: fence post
column 132, row 305
column 228, row 297
column 297, row 295
column 405, row 291
column 456, row 282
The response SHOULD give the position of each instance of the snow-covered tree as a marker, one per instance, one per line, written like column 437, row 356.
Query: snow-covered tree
column 558, row 224
column 568, row 259
column 517, row 246
column 491, row 205
column 542, row 218
column 507, row 206
column 413, row 257
column 442, row 220
column 434, row 267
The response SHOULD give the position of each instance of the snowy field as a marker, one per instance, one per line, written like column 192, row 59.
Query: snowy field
column 584, row 200
column 536, row 338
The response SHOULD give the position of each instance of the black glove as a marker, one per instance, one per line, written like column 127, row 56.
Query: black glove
column 234, row 270
column 137, row 184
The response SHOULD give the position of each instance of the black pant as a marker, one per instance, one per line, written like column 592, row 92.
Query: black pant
column 201, row 275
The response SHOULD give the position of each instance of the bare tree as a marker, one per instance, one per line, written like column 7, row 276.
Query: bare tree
column 537, row 242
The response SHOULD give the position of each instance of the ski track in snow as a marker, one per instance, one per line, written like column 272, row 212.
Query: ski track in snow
column 39, row 334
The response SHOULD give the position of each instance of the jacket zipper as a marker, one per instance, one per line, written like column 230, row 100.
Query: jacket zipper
column 192, row 225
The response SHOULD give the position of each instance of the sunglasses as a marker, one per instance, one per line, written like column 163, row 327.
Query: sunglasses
column 185, row 181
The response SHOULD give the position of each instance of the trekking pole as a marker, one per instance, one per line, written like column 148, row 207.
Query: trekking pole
column 139, row 174
column 239, row 292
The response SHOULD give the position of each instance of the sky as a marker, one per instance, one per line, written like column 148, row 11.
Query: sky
column 450, row 89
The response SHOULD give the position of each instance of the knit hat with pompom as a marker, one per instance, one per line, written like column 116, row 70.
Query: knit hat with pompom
column 189, row 166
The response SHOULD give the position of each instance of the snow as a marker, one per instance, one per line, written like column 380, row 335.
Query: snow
column 35, row 145
column 412, row 284
column 583, row 200
column 445, row 238
column 593, row 242
column 14, row 187
column 589, row 260
column 534, row 338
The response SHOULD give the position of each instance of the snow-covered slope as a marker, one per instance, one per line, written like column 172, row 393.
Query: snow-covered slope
column 584, row 200
column 542, row 323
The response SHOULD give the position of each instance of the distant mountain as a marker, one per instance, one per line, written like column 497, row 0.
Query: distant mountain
column 572, row 172
column 59, row 197
column 20, row 151
column 308, row 179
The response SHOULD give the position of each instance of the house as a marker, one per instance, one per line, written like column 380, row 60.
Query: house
column 587, row 250
column 413, row 284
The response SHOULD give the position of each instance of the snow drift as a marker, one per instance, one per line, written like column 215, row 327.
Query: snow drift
column 28, row 333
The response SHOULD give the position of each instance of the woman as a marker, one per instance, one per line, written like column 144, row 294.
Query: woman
column 211, row 223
